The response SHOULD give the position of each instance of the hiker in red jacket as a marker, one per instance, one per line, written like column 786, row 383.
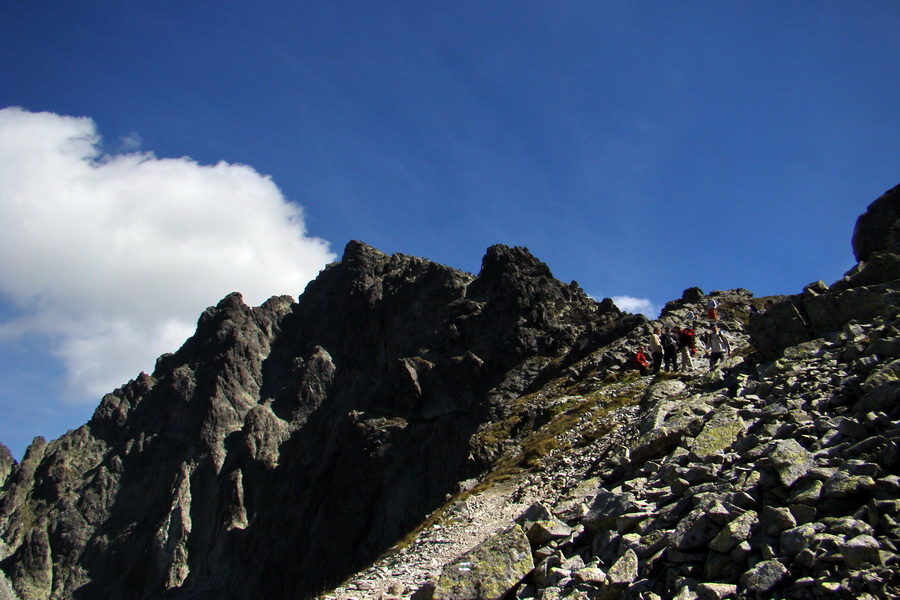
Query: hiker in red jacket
column 641, row 362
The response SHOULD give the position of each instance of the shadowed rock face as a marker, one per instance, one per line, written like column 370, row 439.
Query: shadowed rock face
column 877, row 229
column 284, row 446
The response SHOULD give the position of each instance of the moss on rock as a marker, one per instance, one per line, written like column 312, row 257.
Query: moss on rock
column 488, row 571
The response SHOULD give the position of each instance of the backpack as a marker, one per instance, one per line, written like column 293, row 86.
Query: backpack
column 668, row 341
column 688, row 338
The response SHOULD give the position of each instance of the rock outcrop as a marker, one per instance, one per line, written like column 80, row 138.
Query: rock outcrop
column 6, row 463
column 863, row 294
column 877, row 229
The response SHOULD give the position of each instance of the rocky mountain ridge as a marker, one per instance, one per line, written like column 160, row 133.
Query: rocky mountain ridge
column 258, row 445
column 763, row 479
column 287, row 446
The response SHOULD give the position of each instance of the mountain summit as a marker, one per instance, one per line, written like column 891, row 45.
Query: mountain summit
column 320, row 447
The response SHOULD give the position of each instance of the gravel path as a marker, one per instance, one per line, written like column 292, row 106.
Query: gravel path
column 466, row 524
column 470, row 521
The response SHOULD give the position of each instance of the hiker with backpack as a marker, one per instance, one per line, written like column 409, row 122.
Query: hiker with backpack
column 687, row 345
column 711, row 306
column 718, row 346
column 670, row 349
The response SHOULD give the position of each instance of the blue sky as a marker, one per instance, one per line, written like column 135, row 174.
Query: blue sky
column 156, row 156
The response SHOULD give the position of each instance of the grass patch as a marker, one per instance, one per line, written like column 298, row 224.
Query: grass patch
column 536, row 446
column 622, row 377
column 563, row 407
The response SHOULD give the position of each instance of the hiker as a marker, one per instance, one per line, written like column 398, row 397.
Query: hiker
column 718, row 346
column 711, row 306
column 656, row 350
column 687, row 345
column 641, row 362
column 670, row 349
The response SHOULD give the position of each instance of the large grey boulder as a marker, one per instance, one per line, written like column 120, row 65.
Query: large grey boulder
column 790, row 460
column 764, row 576
column 489, row 571
column 718, row 434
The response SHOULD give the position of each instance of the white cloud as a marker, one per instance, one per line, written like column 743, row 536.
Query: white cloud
column 130, row 143
column 636, row 305
column 113, row 257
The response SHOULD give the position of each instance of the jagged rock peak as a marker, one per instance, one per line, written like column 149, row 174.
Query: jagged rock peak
column 513, row 272
column 6, row 463
column 360, row 401
column 356, row 251
column 232, row 300
column 878, row 229
column 504, row 259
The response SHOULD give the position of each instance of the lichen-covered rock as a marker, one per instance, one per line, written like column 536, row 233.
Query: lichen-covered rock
column 624, row 570
column 790, row 460
column 735, row 532
column 764, row 576
column 716, row 591
column 718, row 434
column 543, row 532
column 843, row 484
column 541, row 526
column 862, row 550
column 489, row 571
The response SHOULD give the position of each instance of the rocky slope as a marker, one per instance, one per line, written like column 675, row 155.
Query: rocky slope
column 484, row 436
column 772, row 476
